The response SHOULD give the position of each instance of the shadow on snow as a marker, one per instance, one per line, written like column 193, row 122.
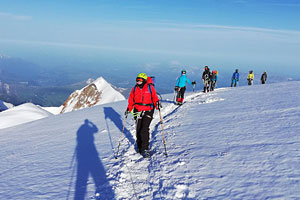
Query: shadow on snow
column 89, row 164
column 115, row 117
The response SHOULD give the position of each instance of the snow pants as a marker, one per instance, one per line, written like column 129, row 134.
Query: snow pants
column 206, row 84
column 234, row 82
column 142, row 130
column 212, row 84
column 180, row 94
column 250, row 81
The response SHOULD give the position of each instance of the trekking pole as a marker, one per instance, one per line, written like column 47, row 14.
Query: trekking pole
column 73, row 171
column 116, row 156
column 174, row 95
column 163, row 134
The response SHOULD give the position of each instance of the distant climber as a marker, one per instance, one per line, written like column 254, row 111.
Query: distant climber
column 180, row 86
column 206, row 79
column 235, row 78
column 213, row 79
column 263, row 77
column 250, row 77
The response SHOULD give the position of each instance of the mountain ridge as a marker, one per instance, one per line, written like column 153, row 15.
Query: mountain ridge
column 95, row 93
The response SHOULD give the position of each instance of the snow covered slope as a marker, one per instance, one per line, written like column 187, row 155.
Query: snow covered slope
column 53, row 110
column 21, row 114
column 97, row 92
column 233, row 143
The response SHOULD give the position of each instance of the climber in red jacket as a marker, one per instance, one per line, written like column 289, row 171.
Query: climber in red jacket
column 142, row 101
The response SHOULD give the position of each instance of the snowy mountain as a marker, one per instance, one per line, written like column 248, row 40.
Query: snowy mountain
column 233, row 143
column 21, row 114
column 5, row 105
column 96, row 93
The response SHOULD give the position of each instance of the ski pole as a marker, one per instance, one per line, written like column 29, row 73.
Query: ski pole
column 116, row 156
column 163, row 134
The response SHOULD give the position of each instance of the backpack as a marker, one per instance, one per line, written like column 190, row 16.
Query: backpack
column 150, row 90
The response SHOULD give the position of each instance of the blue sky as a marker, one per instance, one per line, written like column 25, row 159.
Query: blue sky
column 261, row 34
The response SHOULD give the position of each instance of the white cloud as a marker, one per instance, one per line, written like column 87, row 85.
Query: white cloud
column 220, row 27
column 184, row 43
column 15, row 17
column 287, row 4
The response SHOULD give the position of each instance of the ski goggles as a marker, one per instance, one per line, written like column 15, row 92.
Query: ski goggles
column 139, row 80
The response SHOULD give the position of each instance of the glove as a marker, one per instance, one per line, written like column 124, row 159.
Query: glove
column 135, row 114
column 126, row 112
column 176, row 88
column 194, row 83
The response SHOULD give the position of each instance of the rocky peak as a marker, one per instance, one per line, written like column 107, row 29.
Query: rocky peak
column 97, row 92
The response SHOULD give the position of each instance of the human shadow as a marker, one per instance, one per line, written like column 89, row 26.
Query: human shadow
column 115, row 117
column 168, row 101
column 89, row 163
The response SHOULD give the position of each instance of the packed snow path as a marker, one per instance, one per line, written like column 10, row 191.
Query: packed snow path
column 233, row 143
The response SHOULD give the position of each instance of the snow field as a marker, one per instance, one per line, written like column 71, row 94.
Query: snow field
column 233, row 143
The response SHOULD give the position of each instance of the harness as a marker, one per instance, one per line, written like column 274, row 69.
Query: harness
column 206, row 77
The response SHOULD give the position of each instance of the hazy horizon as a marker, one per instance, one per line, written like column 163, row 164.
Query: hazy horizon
column 121, row 39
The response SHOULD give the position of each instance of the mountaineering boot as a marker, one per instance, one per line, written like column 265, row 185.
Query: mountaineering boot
column 146, row 153
column 181, row 101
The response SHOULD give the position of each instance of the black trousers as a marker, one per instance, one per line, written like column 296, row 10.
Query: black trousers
column 142, row 130
column 180, row 93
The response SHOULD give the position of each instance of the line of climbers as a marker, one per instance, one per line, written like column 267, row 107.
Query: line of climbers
column 236, row 77
column 143, row 99
column 209, row 79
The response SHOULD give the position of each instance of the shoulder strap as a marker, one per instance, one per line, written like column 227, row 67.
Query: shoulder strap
column 150, row 90
column 134, row 89
column 134, row 92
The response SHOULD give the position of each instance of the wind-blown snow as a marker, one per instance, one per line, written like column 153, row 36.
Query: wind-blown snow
column 21, row 114
column 233, row 143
